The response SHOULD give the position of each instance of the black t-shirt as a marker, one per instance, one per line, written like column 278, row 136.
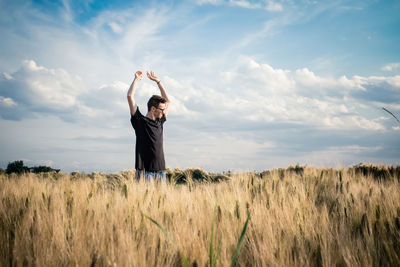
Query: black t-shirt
column 149, row 142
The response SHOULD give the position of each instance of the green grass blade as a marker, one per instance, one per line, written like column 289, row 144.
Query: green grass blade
column 169, row 236
column 236, row 255
column 162, row 229
column 218, row 251
column 212, row 240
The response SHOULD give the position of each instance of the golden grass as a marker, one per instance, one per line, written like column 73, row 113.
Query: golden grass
column 312, row 217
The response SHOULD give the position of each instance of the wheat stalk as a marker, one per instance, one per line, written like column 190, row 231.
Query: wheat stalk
column 391, row 114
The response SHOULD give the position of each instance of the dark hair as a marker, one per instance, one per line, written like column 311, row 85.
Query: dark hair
column 154, row 101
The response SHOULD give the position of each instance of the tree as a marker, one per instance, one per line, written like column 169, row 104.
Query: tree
column 16, row 167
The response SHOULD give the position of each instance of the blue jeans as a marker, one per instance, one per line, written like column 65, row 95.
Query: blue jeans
column 157, row 176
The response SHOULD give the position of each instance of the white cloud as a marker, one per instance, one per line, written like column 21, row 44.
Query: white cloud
column 42, row 90
column 212, row 2
column 268, row 5
column 354, row 149
column 5, row 76
column 367, row 124
column 301, row 97
column 49, row 87
column 255, row 92
column 139, row 33
column 391, row 66
column 108, row 97
column 340, row 156
column 115, row 27
column 273, row 6
column 218, row 151
column 351, row 83
column 91, row 48
column 7, row 102
column 307, row 78
column 244, row 4
column 394, row 81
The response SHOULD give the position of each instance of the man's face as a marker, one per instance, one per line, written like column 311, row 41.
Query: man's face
column 158, row 112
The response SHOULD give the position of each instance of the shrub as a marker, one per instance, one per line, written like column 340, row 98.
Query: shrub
column 39, row 169
column 299, row 170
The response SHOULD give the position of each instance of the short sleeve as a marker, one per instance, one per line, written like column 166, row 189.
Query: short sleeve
column 135, row 118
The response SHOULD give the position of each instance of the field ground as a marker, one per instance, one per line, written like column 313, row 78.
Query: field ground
column 299, row 216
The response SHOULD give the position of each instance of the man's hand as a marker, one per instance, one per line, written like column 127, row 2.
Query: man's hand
column 152, row 76
column 138, row 75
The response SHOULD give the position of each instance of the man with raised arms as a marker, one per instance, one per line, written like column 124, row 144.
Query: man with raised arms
column 149, row 154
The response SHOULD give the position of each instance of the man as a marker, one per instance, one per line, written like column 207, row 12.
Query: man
column 149, row 155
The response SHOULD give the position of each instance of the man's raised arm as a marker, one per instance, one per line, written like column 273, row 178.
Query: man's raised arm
column 131, row 92
column 153, row 77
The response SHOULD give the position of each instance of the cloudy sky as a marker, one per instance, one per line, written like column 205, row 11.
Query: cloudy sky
column 254, row 84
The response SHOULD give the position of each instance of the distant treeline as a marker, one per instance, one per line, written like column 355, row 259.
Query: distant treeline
column 19, row 168
column 190, row 175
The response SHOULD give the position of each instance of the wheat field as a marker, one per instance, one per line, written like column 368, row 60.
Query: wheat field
column 299, row 216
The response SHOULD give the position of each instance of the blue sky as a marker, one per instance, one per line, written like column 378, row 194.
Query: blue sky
column 254, row 84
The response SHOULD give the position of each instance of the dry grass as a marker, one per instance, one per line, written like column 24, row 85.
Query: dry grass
column 299, row 217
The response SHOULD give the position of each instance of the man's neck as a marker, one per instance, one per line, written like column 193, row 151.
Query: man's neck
column 150, row 115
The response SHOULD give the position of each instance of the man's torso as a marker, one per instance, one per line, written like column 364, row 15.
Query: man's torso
column 149, row 142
